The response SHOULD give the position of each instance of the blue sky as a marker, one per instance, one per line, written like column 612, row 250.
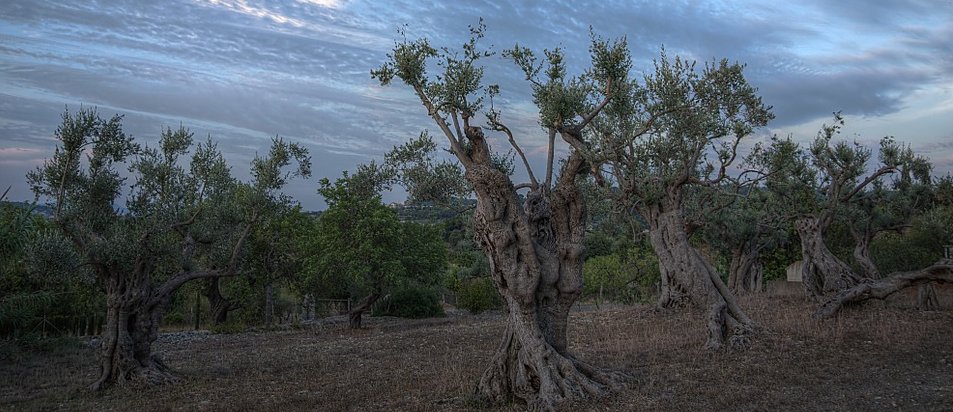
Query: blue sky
column 247, row 70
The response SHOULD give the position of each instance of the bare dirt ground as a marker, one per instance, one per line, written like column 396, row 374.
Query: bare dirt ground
column 873, row 358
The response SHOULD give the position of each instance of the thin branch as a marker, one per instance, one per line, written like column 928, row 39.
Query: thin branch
column 509, row 135
column 435, row 115
column 549, row 157
column 456, row 125
column 595, row 112
column 883, row 170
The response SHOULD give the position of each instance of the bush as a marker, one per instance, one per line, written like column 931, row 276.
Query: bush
column 477, row 295
column 411, row 302
column 626, row 277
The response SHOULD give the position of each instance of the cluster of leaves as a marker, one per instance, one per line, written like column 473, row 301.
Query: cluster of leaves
column 44, row 290
column 364, row 248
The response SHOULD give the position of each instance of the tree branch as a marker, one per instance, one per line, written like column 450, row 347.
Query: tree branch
column 549, row 157
column 435, row 115
column 509, row 135
column 595, row 112
column 883, row 288
column 882, row 171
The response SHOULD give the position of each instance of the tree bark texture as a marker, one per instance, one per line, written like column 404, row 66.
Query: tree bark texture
column 133, row 315
column 881, row 289
column 745, row 272
column 823, row 273
column 926, row 297
column 219, row 306
column 356, row 315
column 535, row 252
column 862, row 256
column 691, row 277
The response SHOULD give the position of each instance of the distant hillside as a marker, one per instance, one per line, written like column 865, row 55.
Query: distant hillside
column 43, row 210
column 428, row 212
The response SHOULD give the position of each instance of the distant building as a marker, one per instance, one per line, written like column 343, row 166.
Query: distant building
column 795, row 271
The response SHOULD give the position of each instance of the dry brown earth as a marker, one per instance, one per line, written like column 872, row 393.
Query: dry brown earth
column 875, row 358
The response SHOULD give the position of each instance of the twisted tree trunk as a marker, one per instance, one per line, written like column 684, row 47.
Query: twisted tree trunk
column 862, row 255
column 134, row 313
column 535, row 253
column 745, row 272
column 355, row 316
column 823, row 273
column 690, row 274
column 219, row 306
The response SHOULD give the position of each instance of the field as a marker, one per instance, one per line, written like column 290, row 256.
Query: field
column 875, row 358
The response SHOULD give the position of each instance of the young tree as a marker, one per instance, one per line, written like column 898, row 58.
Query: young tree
column 141, row 257
column 534, row 242
column 362, row 242
column 657, row 145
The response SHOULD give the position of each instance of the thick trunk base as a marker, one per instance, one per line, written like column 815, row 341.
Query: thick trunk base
column 126, row 356
column 529, row 370
column 695, row 280
column 823, row 272
column 356, row 315
column 745, row 273
column 926, row 297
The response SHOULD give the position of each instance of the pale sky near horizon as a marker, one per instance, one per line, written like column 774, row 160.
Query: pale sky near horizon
column 244, row 71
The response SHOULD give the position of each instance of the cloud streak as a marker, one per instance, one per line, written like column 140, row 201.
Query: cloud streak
column 246, row 70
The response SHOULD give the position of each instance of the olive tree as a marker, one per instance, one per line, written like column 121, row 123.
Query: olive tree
column 830, row 181
column 533, row 241
column 164, row 234
column 751, row 225
column 666, row 138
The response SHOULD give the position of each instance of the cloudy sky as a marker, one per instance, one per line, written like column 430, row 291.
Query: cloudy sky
column 244, row 71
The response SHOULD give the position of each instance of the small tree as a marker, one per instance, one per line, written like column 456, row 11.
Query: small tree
column 362, row 242
column 167, row 238
column 749, row 227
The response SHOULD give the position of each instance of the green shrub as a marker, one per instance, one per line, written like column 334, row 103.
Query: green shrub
column 412, row 302
column 477, row 295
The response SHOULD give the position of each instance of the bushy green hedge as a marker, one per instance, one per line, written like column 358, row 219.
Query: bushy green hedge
column 412, row 302
column 477, row 295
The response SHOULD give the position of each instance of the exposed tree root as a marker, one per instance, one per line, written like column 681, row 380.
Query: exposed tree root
column 530, row 370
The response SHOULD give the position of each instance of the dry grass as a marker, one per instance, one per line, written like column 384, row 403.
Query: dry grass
column 873, row 358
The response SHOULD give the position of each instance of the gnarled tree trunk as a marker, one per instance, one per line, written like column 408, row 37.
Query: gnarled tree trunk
column 693, row 277
column 134, row 313
column 862, row 255
column 926, row 297
column 745, row 272
column 823, row 272
column 535, row 253
column 219, row 306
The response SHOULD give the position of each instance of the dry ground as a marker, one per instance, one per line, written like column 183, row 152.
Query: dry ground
column 875, row 358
